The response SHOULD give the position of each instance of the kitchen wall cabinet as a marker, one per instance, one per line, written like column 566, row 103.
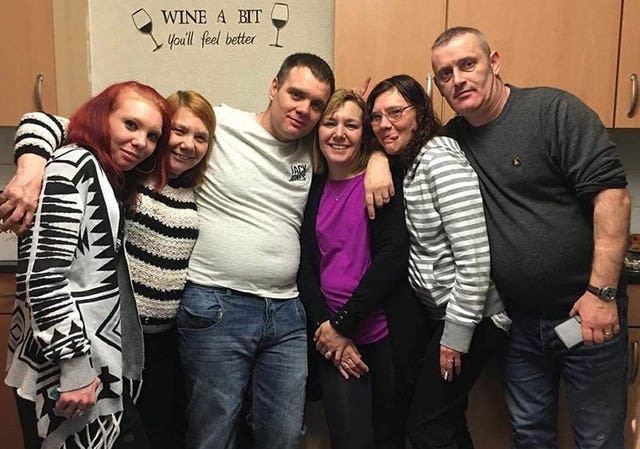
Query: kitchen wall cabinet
column 631, row 442
column 380, row 39
column 49, row 38
column 572, row 45
column 10, row 432
column 26, row 50
column 629, row 65
column 587, row 48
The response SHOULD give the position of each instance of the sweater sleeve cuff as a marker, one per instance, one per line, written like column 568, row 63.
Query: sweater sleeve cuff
column 76, row 373
column 457, row 336
column 345, row 323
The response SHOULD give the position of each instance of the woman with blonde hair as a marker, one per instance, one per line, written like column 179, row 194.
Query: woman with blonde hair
column 350, row 268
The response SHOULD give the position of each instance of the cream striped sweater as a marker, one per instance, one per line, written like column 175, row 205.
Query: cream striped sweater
column 160, row 234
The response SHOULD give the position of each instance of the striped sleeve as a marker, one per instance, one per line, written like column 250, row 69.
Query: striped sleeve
column 458, row 240
column 39, row 133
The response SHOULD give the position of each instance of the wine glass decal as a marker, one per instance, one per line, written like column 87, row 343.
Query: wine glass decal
column 279, row 18
column 142, row 21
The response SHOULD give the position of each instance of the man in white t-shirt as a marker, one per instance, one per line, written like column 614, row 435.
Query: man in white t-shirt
column 242, row 327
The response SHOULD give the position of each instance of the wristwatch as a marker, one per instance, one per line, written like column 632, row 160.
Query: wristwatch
column 607, row 294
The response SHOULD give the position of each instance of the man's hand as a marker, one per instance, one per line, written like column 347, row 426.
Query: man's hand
column 450, row 363
column 362, row 89
column 19, row 199
column 378, row 183
column 599, row 318
column 76, row 402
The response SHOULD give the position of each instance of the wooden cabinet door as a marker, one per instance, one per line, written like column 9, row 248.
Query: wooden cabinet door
column 569, row 44
column 629, row 64
column 10, row 432
column 487, row 414
column 379, row 38
column 630, row 440
column 26, row 50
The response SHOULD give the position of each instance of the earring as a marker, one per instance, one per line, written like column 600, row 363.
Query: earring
column 149, row 170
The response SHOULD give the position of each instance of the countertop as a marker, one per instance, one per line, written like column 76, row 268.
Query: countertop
column 7, row 266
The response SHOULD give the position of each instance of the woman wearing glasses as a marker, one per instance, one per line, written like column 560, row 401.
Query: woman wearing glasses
column 449, row 265
column 350, row 269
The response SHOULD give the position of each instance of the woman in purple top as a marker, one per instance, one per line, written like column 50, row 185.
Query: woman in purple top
column 350, row 268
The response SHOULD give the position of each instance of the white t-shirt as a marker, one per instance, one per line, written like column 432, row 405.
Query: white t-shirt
column 250, row 209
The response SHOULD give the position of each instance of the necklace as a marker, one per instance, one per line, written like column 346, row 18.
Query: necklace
column 331, row 191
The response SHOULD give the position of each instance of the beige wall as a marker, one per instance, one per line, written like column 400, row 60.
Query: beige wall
column 234, row 73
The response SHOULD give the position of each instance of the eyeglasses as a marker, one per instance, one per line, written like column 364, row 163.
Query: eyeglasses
column 392, row 114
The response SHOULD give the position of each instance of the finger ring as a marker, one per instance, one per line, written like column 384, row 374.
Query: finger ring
column 607, row 333
column 328, row 354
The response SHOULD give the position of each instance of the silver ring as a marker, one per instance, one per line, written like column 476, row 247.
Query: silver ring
column 328, row 354
column 607, row 333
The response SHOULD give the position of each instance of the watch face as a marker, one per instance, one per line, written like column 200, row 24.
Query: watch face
column 608, row 293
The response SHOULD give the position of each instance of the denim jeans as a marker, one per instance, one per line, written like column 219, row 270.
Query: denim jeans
column 232, row 343
column 595, row 379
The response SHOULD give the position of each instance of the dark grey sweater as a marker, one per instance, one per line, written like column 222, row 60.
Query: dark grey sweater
column 540, row 163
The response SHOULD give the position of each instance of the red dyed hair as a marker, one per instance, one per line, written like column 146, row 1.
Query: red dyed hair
column 89, row 128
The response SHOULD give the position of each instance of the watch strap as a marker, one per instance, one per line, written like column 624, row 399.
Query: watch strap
column 607, row 294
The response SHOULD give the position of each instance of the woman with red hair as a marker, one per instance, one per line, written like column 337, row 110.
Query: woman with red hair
column 75, row 351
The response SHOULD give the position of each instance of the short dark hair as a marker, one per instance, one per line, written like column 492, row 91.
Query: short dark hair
column 318, row 66
column 446, row 36
column 428, row 125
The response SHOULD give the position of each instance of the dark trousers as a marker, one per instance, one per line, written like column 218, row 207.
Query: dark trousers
column 361, row 412
column 132, row 435
column 161, row 402
column 437, row 412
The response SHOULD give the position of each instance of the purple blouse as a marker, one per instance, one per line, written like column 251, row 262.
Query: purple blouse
column 342, row 233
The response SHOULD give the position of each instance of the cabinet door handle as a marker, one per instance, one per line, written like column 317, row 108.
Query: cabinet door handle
column 633, row 365
column 430, row 86
column 634, row 95
column 38, row 92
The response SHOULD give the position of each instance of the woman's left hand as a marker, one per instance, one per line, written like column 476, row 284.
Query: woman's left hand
column 450, row 363
column 76, row 402
column 329, row 342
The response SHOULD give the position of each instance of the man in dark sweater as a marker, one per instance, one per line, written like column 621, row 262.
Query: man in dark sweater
column 558, row 218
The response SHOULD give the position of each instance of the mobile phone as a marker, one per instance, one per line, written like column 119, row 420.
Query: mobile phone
column 570, row 331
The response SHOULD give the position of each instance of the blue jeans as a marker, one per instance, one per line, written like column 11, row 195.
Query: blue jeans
column 595, row 379
column 232, row 343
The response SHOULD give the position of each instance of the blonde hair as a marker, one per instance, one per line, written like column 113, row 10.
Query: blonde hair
column 337, row 100
column 202, row 109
